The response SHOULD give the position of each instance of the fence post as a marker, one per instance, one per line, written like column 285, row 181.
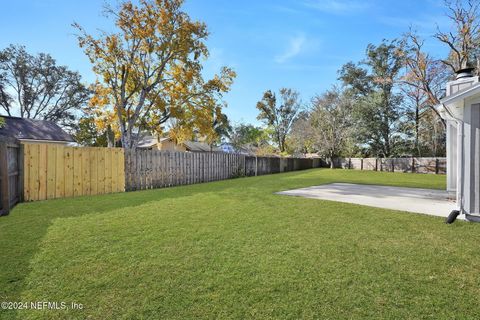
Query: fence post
column 413, row 164
column 393, row 164
column 256, row 165
column 361, row 163
column 376, row 164
column 4, row 189
column 244, row 157
column 436, row 165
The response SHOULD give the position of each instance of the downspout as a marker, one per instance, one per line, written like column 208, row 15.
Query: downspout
column 460, row 166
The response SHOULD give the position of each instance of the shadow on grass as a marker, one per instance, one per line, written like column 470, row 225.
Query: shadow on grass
column 22, row 231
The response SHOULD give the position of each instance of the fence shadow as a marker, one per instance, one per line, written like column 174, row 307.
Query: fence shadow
column 22, row 231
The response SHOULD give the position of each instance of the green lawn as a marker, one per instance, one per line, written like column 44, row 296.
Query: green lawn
column 234, row 249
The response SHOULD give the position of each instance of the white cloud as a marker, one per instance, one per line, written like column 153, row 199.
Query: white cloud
column 296, row 46
column 338, row 6
column 422, row 23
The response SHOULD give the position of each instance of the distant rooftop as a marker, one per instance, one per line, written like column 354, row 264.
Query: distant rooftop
column 194, row 146
column 32, row 129
column 199, row 146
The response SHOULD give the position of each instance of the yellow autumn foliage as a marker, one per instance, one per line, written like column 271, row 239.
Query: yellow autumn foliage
column 150, row 71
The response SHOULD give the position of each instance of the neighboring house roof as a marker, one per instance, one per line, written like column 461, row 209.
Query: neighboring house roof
column 32, row 129
column 196, row 146
column 147, row 141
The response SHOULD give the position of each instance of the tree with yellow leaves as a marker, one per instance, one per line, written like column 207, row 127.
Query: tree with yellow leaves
column 150, row 70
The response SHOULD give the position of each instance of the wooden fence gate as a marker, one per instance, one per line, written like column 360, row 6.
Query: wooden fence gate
column 10, row 174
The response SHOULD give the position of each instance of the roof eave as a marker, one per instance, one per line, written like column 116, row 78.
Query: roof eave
column 461, row 95
column 45, row 140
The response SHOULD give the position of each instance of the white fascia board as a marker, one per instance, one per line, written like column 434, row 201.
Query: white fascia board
column 461, row 95
column 45, row 141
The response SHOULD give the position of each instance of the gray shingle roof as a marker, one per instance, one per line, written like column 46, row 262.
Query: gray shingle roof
column 196, row 146
column 31, row 129
column 193, row 146
column 147, row 141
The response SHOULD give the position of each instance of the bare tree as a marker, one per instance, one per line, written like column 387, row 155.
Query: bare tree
column 424, row 74
column 463, row 41
column 331, row 122
column 301, row 139
column 415, row 102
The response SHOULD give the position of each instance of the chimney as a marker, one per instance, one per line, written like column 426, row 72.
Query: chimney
column 464, row 73
column 464, row 78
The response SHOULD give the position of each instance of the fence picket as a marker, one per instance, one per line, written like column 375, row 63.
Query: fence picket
column 59, row 172
column 50, row 170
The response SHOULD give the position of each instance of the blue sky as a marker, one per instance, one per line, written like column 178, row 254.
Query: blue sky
column 271, row 44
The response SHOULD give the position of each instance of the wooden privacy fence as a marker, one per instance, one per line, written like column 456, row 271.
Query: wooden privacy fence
column 55, row 171
column 10, row 174
column 268, row 165
column 149, row 169
column 413, row 164
column 46, row 171
column 37, row 171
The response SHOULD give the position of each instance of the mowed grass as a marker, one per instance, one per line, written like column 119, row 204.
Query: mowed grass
column 234, row 250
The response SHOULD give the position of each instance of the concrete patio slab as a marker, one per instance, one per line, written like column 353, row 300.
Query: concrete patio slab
column 424, row 201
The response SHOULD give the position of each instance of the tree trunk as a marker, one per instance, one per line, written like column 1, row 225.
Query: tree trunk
column 417, row 120
column 280, row 141
column 125, row 140
column 110, row 137
column 332, row 164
